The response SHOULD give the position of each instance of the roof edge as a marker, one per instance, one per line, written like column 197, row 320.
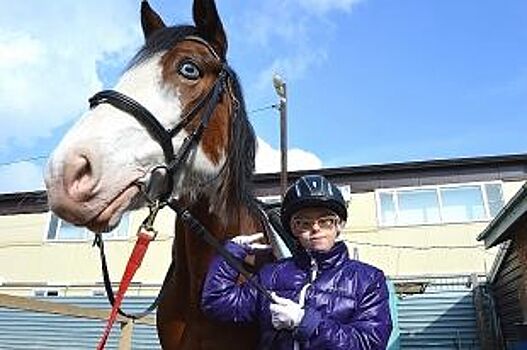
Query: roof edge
column 497, row 230
column 404, row 166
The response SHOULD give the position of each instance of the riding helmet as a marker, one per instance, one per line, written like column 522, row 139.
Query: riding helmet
column 312, row 191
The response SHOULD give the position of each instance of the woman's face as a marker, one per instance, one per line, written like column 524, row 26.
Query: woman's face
column 315, row 228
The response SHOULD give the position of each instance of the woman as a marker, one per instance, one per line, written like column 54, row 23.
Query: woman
column 322, row 298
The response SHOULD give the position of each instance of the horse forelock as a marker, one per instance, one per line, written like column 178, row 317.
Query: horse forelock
column 229, row 123
column 162, row 40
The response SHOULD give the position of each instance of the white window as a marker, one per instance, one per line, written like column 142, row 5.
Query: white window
column 273, row 199
column 46, row 292
column 98, row 292
column 345, row 190
column 60, row 230
column 439, row 204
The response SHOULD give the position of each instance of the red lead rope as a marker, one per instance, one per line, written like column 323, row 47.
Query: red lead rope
column 144, row 237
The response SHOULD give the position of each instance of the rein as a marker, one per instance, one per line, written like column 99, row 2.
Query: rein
column 173, row 164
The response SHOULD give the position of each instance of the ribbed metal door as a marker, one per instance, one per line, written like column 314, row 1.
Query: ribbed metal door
column 438, row 319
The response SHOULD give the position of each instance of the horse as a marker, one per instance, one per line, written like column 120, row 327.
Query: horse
column 174, row 125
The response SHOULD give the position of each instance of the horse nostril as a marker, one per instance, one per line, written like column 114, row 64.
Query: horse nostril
column 79, row 179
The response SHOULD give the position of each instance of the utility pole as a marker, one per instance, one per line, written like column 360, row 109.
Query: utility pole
column 280, row 88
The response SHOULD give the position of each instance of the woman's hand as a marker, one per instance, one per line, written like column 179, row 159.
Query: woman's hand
column 250, row 242
column 285, row 313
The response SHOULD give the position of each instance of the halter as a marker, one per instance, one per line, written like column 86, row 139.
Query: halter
column 158, row 132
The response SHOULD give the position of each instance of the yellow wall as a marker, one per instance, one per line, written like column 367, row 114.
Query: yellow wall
column 26, row 258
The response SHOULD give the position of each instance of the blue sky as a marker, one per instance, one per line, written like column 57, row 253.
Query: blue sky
column 370, row 81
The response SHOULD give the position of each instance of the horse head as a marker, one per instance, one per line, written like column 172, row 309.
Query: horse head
column 112, row 160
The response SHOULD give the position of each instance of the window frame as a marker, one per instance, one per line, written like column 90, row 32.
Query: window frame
column 88, row 233
column 393, row 192
column 345, row 190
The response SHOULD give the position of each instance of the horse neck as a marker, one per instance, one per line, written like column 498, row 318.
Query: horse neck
column 194, row 254
column 222, row 225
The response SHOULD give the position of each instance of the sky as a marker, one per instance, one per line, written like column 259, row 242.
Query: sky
column 368, row 81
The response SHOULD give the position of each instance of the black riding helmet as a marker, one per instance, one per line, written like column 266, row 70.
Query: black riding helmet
column 312, row 191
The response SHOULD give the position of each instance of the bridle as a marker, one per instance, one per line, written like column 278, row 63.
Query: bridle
column 207, row 104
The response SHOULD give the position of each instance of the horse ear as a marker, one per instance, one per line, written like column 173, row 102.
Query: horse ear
column 209, row 25
column 150, row 20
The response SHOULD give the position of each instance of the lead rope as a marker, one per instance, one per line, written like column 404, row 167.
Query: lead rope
column 145, row 235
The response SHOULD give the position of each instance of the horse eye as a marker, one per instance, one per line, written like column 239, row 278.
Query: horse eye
column 189, row 70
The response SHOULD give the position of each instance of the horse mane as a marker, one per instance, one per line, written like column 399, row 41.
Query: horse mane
column 234, row 184
column 236, row 188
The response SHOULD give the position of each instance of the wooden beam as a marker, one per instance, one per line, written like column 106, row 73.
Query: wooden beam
column 127, row 329
column 34, row 305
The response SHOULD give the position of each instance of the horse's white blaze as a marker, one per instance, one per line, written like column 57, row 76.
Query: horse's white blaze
column 119, row 148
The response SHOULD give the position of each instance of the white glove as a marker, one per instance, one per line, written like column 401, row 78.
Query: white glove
column 248, row 242
column 285, row 313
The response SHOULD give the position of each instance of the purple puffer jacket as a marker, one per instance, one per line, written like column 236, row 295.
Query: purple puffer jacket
column 346, row 304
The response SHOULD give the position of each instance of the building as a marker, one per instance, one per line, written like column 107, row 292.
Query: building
column 415, row 218
column 418, row 221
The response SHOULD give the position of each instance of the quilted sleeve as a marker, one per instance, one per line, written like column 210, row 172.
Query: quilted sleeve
column 223, row 298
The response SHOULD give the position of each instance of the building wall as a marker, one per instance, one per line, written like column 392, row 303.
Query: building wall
column 406, row 250
column 28, row 260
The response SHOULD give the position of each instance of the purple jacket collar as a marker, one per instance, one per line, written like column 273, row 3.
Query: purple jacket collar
column 333, row 258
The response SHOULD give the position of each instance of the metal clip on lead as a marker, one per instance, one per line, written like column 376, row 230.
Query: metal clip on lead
column 148, row 223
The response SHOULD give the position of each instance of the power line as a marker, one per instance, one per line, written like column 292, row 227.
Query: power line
column 24, row 160
column 29, row 159
column 261, row 109
column 380, row 245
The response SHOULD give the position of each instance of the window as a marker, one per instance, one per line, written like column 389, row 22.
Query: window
column 60, row 230
column 419, row 206
column 274, row 199
column 42, row 293
column 439, row 204
column 98, row 292
column 463, row 204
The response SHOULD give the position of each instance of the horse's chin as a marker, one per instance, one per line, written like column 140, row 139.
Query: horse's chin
column 110, row 216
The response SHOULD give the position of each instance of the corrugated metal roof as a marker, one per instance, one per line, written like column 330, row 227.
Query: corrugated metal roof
column 32, row 330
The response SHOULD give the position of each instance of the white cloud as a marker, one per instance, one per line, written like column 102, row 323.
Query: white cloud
column 48, row 60
column 291, row 67
column 298, row 31
column 268, row 159
column 20, row 177
column 324, row 6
